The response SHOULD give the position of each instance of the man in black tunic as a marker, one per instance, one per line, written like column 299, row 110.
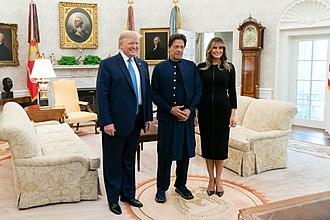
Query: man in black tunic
column 176, row 88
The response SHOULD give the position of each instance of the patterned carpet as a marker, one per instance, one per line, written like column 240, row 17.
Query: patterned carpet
column 201, row 207
column 313, row 149
column 240, row 192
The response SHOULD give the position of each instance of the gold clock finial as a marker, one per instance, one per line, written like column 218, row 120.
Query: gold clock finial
column 130, row 2
column 175, row 2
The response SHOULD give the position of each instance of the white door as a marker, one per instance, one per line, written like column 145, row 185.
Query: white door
column 309, row 70
column 189, row 51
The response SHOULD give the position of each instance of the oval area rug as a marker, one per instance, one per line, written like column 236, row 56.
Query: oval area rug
column 236, row 197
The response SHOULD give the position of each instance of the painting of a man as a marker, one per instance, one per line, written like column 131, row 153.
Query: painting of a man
column 5, row 53
column 156, row 46
column 157, row 51
column 78, row 25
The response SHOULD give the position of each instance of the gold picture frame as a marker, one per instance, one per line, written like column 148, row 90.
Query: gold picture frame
column 9, row 45
column 149, row 52
column 78, row 25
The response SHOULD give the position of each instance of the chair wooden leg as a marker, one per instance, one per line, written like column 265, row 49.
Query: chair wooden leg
column 96, row 125
column 138, row 156
column 77, row 127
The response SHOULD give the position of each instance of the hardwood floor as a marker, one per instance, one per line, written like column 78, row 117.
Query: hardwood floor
column 312, row 135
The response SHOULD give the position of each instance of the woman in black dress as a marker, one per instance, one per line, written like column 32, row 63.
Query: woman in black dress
column 216, row 111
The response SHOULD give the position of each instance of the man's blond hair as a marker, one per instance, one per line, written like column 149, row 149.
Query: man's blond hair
column 128, row 34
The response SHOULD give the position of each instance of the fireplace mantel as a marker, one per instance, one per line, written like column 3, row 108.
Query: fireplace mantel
column 76, row 71
column 75, row 67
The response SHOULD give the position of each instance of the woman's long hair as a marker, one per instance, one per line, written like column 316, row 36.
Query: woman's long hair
column 223, row 64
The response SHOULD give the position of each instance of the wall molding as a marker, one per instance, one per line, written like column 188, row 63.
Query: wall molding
column 264, row 93
column 306, row 13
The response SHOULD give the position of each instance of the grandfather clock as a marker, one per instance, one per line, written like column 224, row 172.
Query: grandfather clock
column 251, row 40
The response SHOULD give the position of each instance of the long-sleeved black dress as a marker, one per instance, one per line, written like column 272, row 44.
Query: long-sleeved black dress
column 218, row 98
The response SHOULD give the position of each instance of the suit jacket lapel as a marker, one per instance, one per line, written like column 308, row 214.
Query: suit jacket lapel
column 142, row 75
column 123, row 67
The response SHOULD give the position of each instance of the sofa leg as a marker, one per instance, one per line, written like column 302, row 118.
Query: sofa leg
column 96, row 125
column 77, row 127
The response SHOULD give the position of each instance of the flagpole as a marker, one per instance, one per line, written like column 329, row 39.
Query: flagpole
column 130, row 16
column 175, row 18
column 34, row 53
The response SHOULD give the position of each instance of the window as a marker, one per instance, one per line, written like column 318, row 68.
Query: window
column 311, row 79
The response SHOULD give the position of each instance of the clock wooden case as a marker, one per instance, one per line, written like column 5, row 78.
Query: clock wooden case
column 251, row 41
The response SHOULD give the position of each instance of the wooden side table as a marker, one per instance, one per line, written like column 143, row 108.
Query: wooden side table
column 38, row 114
column 24, row 100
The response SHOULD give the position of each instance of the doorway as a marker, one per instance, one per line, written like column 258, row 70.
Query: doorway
column 309, row 63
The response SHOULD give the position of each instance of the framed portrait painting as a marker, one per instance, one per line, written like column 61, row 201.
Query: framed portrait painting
column 154, row 44
column 78, row 25
column 8, row 45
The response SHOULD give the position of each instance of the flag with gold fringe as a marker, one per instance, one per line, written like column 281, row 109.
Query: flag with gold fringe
column 130, row 17
column 175, row 19
column 329, row 79
column 33, row 40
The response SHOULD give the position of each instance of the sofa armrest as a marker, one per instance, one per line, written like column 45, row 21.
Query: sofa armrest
column 268, row 135
column 54, row 161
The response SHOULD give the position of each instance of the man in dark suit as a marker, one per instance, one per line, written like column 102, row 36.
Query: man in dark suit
column 176, row 90
column 124, row 107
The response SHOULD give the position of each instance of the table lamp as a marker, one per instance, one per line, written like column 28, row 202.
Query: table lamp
column 42, row 71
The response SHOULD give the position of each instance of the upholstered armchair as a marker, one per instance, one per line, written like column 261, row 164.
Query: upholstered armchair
column 65, row 94
column 259, row 141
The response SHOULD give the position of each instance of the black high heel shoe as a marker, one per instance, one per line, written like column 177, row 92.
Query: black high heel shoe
column 218, row 193
column 211, row 192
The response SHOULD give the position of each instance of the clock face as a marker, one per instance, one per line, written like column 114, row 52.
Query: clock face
column 250, row 36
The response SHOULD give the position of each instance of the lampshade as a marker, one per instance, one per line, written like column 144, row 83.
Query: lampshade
column 42, row 68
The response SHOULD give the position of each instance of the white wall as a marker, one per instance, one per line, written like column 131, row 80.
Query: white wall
column 197, row 15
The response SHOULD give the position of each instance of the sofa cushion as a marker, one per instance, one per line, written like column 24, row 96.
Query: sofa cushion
column 51, row 129
column 268, row 115
column 239, row 138
column 59, row 144
column 242, row 104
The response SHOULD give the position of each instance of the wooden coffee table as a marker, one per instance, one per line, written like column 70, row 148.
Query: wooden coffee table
column 314, row 206
column 38, row 114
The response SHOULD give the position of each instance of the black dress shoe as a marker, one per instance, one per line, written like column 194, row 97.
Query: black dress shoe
column 115, row 208
column 160, row 196
column 132, row 202
column 184, row 192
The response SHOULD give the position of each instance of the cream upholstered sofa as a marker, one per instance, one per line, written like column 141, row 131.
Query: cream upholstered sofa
column 50, row 162
column 259, row 141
